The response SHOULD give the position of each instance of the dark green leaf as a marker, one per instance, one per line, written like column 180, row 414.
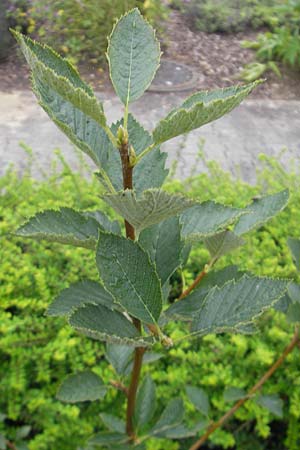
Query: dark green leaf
column 232, row 394
column 199, row 109
column 260, row 211
column 294, row 292
column 182, row 432
column 65, row 225
column 81, row 387
column 2, row 442
column 107, row 438
column 128, row 274
column 237, row 303
column 199, row 398
column 133, row 56
column 222, row 243
column 294, row 246
column 113, row 423
column 119, row 356
column 113, row 226
column 207, row 218
column 171, row 417
column 145, row 402
column 79, row 294
column 164, row 245
column 272, row 403
column 293, row 313
column 149, row 358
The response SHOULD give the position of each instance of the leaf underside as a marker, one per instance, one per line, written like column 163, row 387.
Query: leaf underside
column 222, row 243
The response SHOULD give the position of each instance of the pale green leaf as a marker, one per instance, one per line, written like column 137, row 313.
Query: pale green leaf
column 148, row 358
column 145, row 402
column 293, row 313
column 199, row 109
column 232, row 394
column 207, row 218
column 272, row 403
column 149, row 173
column 119, row 357
column 129, row 275
column 113, row 423
column 164, row 245
column 294, row 246
column 65, row 225
column 81, row 387
column 103, row 324
column 151, row 207
column 237, row 303
column 199, row 398
column 57, row 73
column 260, row 211
column 188, row 307
column 2, row 442
column 222, row 243
column 23, row 432
column 171, row 417
column 79, row 294
column 83, row 131
column 294, row 292
column 133, row 56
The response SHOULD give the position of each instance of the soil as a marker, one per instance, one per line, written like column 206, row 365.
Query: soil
column 217, row 58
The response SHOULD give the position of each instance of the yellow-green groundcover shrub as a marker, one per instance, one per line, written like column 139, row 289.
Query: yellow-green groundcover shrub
column 37, row 352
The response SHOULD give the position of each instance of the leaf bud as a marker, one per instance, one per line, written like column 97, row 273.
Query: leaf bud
column 122, row 136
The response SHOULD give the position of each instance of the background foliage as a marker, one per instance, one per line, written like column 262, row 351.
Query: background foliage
column 37, row 352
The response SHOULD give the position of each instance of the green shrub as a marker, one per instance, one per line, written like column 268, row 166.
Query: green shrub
column 36, row 352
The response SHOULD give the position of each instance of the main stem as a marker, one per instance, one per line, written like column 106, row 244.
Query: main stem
column 139, row 351
column 295, row 341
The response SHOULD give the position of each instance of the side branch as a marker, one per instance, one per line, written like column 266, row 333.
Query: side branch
column 293, row 343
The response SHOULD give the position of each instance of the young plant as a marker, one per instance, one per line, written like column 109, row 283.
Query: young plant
column 128, row 306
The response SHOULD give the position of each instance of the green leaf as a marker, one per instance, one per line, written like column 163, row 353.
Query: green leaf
column 113, row 423
column 199, row 398
column 232, row 394
column 294, row 292
column 57, row 73
column 164, row 245
column 199, row 109
column 207, row 218
column 293, row 313
column 103, row 324
column 145, row 402
column 23, row 432
column 65, row 225
column 151, row 207
column 2, row 442
column 81, row 387
column 182, row 432
column 133, row 56
column 187, row 308
column 294, row 246
column 272, row 403
column 237, row 303
column 119, row 357
column 83, row 131
column 150, row 172
column 129, row 275
column 113, row 226
column 260, row 211
column 79, row 294
column 149, row 358
column 106, row 438
column 170, row 418
column 222, row 243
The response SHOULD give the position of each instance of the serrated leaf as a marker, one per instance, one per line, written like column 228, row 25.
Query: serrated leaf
column 52, row 70
column 260, row 211
column 188, row 307
column 182, row 432
column 171, row 417
column 232, row 394
column 272, row 403
column 150, row 172
column 81, row 387
column 119, row 356
column 294, row 246
column 65, row 225
column 106, row 438
column 207, row 218
column 283, row 304
column 79, row 294
column 133, row 56
column 151, row 207
column 164, row 245
column 237, row 303
column 104, row 324
column 199, row 398
column 222, row 243
column 200, row 109
column 293, row 313
column 129, row 275
column 294, row 292
column 145, row 402
column 112, row 226
column 83, row 131
column 113, row 423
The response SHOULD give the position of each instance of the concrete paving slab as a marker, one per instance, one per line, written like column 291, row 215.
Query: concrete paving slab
column 256, row 126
